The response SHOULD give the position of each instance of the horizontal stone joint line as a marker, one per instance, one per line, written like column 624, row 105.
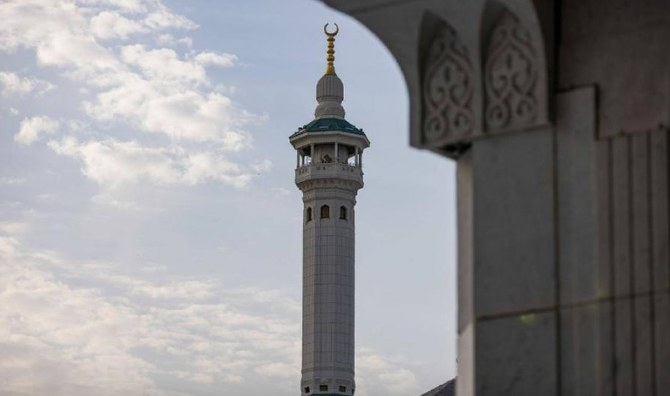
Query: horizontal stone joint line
column 581, row 304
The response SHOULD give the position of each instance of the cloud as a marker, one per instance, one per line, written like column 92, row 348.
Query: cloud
column 33, row 128
column 11, row 181
column 13, row 84
column 77, row 328
column 213, row 59
column 109, row 25
column 112, row 163
column 387, row 374
column 163, row 64
column 13, row 228
column 162, row 18
column 153, row 112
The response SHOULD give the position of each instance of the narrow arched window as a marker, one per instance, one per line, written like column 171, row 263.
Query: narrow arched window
column 343, row 212
column 325, row 212
column 308, row 214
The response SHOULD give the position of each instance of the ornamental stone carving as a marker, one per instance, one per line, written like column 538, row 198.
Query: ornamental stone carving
column 511, row 76
column 447, row 90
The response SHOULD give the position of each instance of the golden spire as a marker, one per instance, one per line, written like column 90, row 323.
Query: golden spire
column 330, row 68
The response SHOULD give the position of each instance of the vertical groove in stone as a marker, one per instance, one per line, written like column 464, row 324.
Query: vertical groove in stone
column 622, row 277
column 631, row 264
column 642, row 347
column 650, row 259
column 557, row 268
column 605, row 368
column 610, row 191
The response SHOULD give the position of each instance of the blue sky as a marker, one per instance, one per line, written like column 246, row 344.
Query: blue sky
column 150, row 231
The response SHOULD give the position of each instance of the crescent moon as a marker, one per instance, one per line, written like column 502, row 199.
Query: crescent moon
column 337, row 29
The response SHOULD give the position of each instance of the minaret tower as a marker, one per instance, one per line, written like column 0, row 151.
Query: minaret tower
column 329, row 174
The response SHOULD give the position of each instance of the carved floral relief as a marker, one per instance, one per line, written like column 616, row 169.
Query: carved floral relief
column 511, row 74
column 447, row 90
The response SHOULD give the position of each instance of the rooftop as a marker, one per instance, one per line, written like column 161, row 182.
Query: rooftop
column 329, row 124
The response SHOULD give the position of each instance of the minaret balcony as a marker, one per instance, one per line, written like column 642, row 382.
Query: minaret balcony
column 334, row 170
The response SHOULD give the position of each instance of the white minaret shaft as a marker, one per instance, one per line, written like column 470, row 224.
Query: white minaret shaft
column 329, row 174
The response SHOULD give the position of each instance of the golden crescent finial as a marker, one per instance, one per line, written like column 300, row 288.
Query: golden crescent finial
column 333, row 34
column 330, row 67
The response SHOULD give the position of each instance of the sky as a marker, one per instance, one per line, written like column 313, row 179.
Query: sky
column 150, row 227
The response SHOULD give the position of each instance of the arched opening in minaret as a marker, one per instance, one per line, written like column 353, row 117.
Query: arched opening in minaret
column 343, row 212
column 325, row 212
column 308, row 215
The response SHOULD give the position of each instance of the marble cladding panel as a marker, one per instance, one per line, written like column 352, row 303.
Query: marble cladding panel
column 641, row 215
column 624, row 347
column 328, row 294
column 658, row 179
column 661, row 344
column 636, row 174
column 513, row 224
column 578, row 368
column 516, row 355
column 633, row 64
column 614, row 18
column 586, row 350
column 621, row 215
column 578, row 209
column 464, row 179
column 643, row 345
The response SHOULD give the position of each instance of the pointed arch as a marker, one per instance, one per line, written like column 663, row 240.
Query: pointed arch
column 325, row 212
column 343, row 212
column 447, row 82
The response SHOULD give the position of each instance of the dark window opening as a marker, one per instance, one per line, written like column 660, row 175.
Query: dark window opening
column 307, row 389
column 325, row 212
column 323, row 388
column 343, row 213
column 308, row 214
column 343, row 388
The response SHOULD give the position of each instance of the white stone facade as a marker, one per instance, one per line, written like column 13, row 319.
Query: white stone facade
column 329, row 173
column 329, row 196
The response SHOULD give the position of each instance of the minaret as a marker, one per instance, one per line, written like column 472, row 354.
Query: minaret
column 329, row 174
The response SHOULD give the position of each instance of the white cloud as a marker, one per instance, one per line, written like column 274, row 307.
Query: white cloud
column 138, row 91
column 126, row 6
column 32, row 128
column 385, row 373
column 11, row 181
column 109, row 25
column 214, row 59
column 77, row 328
column 13, row 228
column 163, row 64
column 112, row 163
column 13, row 84
column 162, row 18
column 192, row 290
column 168, row 39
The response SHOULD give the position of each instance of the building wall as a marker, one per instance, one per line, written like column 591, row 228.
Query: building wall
column 564, row 275
column 328, row 291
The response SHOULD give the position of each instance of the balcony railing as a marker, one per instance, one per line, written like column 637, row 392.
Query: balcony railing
column 328, row 170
